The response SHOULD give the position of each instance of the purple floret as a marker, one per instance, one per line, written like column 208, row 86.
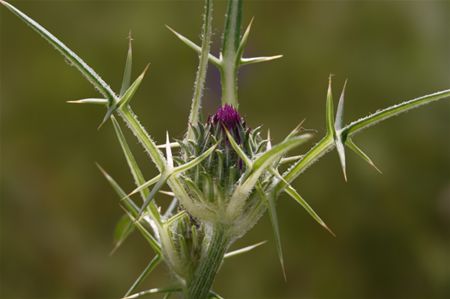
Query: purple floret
column 228, row 117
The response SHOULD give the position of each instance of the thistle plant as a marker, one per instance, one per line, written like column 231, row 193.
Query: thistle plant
column 224, row 175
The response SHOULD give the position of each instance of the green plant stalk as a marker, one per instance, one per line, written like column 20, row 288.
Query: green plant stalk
column 195, row 116
column 215, row 248
column 230, row 60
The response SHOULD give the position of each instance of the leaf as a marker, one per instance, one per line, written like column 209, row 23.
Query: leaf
column 243, row 250
column 125, row 99
column 162, row 178
column 295, row 131
column 194, row 162
column 150, row 267
column 90, row 101
column 238, row 150
column 145, row 185
column 330, row 110
column 263, row 162
column 243, row 42
column 270, row 156
column 126, row 80
column 252, row 60
column 131, row 161
column 71, row 57
column 327, row 143
column 294, row 194
column 214, row 295
column 351, row 145
column 340, row 110
column 291, row 159
column 134, row 167
column 213, row 59
column 129, row 93
column 172, row 145
column 130, row 205
column 130, row 209
column 372, row 119
column 338, row 137
column 146, row 234
column 270, row 202
column 153, row 291
column 123, row 229
column 152, row 194
column 169, row 156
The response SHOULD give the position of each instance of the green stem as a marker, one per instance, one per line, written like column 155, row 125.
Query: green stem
column 230, row 63
column 194, row 116
column 216, row 245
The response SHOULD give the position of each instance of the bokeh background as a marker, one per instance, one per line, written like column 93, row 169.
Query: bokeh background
column 393, row 230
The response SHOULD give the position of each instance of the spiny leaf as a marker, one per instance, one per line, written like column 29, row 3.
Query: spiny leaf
column 125, row 99
column 126, row 80
column 130, row 205
column 169, row 156
column 327, row 143
column 269, row 141
column 131, row 161
column 295, row 131
column 165, row 176
column 244, row 40
column 243, row 250
column 129, row 93
column 134, row 167
column 330, row 110
column 214, row 295
column 171, row 208
column 372, row 119
column 175, row 217
column 145, row 185
column 263, row 162
column 146, row 234
column 172, row 145
column 291, row 159
column 194, row 162
column 294, row 194
column 360, row 153
column 340, row 109
column 153, row 291
column 213, row 59
column 338, row 137
column 73, row 58
column 123, row 229
column 247, row 61
column 238, row 150
column 150, row 267
column 270, row 202
column 276, row 152
column 131, row 209
column 90, row 101
column 152, row 194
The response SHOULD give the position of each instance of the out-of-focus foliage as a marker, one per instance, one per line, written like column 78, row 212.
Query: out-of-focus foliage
column 393, row 230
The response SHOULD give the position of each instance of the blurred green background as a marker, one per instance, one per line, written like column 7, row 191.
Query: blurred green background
column 393, row 230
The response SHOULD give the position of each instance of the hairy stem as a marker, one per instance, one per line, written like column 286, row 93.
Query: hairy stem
column 215, row 247
column 200, row 79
